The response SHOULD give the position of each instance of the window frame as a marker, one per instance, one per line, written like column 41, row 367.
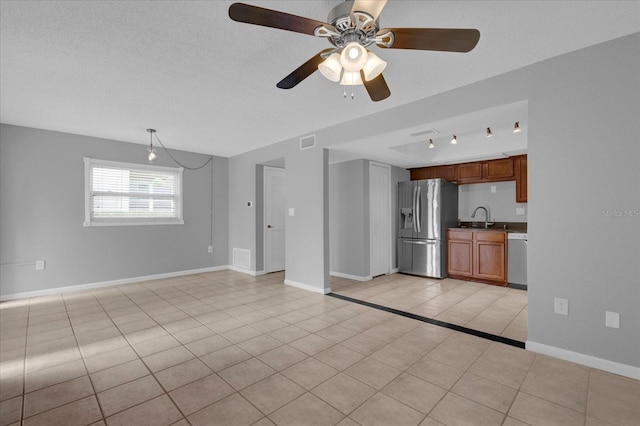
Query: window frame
column 90, row 221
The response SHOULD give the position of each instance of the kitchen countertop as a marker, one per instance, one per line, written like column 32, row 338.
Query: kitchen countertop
column 498, row 226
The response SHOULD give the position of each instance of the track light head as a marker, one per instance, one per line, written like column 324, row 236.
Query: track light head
column 454, row 140
column 489, row 133
column 516, row 127
column 431, row 144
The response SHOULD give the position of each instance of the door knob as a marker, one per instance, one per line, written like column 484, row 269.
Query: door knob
column 269, row 226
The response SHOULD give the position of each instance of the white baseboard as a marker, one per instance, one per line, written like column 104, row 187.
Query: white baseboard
column 586, row 360
column 350, row 277
column 58, row 290
column 246, row 271
column 307, row 287
column 394, row 270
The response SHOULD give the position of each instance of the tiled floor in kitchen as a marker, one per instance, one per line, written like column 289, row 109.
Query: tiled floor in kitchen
column 492, row 309
column 230, row 349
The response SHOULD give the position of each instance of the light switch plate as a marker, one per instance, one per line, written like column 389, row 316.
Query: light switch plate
column 493, row 189
column 520, row 211
column 292, row 211
column 612, row 319
column 561, row 306
column 40, row 265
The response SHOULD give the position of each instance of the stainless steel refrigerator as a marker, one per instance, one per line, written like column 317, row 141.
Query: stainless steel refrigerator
column 426, row 208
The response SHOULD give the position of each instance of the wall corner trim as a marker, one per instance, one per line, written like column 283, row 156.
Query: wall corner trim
column 307, row 287
column 79, row 287
column 586, row 360
column 350, row 277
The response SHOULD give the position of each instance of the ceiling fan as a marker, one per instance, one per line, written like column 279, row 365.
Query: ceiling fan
column 352, row 27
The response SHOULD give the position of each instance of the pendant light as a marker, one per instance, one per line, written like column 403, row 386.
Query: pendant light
column 151, row 151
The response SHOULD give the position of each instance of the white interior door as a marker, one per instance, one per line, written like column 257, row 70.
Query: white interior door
column 274, row 219
column 380, row 218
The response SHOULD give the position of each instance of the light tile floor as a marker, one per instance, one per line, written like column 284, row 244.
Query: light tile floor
column 493, row 309
column 225, row 348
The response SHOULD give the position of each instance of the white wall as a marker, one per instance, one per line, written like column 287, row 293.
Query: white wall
column 42, row 211
column 501, row 204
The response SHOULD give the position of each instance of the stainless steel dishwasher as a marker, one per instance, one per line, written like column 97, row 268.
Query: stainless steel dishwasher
column 517, row 259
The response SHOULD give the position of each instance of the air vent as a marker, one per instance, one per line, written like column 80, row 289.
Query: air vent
column 307, row 142
column 242, row 258
column 425, row 132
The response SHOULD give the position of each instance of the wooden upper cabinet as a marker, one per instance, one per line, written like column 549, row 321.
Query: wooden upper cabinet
column 447, row 172
column 421, row 173
column 520, row 166
column 498, row 170
column 469, row 172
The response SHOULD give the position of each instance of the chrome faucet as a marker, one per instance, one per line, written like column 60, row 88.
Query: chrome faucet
column 486, row 216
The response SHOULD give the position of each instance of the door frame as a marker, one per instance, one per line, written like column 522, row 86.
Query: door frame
column 390, row 215
column 265, row 245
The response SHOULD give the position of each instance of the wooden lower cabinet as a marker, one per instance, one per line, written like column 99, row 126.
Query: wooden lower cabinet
column 477, row 255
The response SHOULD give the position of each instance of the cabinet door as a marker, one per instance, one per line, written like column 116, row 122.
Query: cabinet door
column 445, row 172
column 460, row 253
column 521, row 178
column 490, row 257
column 469, row 172
column 498, row 170
column 421, row 173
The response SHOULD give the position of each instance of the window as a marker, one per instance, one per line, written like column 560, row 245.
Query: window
column 131, row 194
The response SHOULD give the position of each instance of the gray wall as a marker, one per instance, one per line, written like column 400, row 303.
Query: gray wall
column 583, row 158
column 584, row 161
column 42, row 210
column 501, row 204
column 349, row 216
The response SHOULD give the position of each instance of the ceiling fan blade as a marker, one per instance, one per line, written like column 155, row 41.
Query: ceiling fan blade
column 255, row 15
column 376, row 88
column 372, row 7
column 302, row 72
column 441, row 39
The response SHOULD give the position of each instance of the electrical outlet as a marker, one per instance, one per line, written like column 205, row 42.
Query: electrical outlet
column 292, row 211
column 493, row 189
column 520, row 211
column 612, row 319
column 40, row 265
column 210, row 249
column 561, row 306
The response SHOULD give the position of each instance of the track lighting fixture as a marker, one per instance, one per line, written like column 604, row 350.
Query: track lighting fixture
column 516, row 127
column 151, row 150
column 431, row 144
column 454, row 140
column 489, row 133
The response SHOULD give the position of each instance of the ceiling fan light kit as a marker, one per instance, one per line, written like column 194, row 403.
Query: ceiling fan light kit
column 352, row 27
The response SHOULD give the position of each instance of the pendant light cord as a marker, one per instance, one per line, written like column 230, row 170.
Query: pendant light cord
column 210, row 160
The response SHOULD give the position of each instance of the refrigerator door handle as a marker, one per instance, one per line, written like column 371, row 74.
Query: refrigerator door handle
column 418, row 212
column 415, row 213
column 420, row 243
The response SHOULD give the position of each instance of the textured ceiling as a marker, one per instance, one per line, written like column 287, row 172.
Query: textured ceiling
column 112, row 69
